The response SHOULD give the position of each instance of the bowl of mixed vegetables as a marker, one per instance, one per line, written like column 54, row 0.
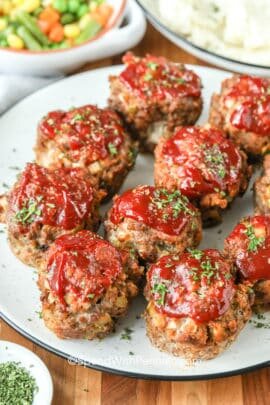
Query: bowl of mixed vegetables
column 31, row 30
column 38, row 25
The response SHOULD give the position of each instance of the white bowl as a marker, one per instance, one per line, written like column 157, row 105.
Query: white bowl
column 151, row 10
column 13, row 352
column 111, row 41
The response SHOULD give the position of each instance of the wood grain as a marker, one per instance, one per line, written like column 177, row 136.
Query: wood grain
column 77, row 385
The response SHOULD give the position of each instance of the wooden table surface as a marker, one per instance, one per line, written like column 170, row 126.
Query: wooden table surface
column 76, row 385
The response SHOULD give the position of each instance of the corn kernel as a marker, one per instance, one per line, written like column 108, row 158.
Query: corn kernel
column 84, row 21
column 71, row 31
column 3, row 24
column 15, row 42
column 30, row 5
column 17, row 2
column 6, row 7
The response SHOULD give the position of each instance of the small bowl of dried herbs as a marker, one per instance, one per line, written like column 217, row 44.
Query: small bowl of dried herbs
column 24, row 378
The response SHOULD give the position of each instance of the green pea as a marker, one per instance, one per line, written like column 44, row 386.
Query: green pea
column 83, row 9
column 73, row 6
column 37, row 11
column 3, row 42
column 60, row 5
column 68, row 18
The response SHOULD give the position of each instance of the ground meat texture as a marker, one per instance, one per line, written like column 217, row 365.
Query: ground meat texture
column 153, row 222
column 153, row 94
column 84, row 286
column 248, row 246
column 90, row 138
column 205, row 166
column 195, row 309
column 242, row 110
column 262, row 189
column 45, row 204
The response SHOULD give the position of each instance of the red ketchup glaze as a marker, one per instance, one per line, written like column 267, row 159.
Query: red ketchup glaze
column 253, row 261
column 156, row 79
column 60, row 198
column 83, row 264
column 206, row 161
column 182, row 287
column 152, row 207
column 252, row 112
column 86, row 128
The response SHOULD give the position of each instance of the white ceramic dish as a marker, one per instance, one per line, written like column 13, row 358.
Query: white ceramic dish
column 150, row 8
column 110, row 42
column 27, row 359
column 19, row 296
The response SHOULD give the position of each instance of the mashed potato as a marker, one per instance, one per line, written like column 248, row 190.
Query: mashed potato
column 236, row 29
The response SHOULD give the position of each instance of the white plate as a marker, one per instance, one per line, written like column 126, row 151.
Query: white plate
column 32, row 363
column 19, row 296
column 150, row 7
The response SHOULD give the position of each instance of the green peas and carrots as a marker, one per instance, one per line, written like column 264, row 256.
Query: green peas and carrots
column 39, row 25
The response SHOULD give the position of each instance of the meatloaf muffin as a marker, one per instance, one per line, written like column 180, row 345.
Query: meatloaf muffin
column 195, row 309
column 84, row 286
column 248, row 246
column 153, row 222
column 90, row 138
column 152, row 93
column 205, row 166
column 242, row 110
column 45, row 204
column 262, row 189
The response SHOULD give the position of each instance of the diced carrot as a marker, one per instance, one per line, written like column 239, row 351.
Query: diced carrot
column 44, row 25
column 99, row 18
column 102, row 14
column 57, row 33
column 49, row 14
column 105, row 10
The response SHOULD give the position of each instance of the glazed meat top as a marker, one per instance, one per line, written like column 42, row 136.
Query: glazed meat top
column 83, row 264
column 249, row 245
column 158, row 208
column 206, row 161
column 158, row 80
column 87, row 132
column 250, row 98
column 198, row 284
column 61, row 198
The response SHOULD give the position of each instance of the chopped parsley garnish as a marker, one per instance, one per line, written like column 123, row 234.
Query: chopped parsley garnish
column 14, row 168
column 208, row 269
column 77, row 117
column 17, row 386
column 215, row 158
column 126, row 335
column 180, row 80
column 152, row 65
column 39, row 313
column 254, row 241
column 261, row 322
column 132, row 154
column 91, row 296
column 112, row 149
column 160, row 289
column 50, row 205
column 195, row 253
column 172, row 202
column 29, row 212
column 147, row 77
